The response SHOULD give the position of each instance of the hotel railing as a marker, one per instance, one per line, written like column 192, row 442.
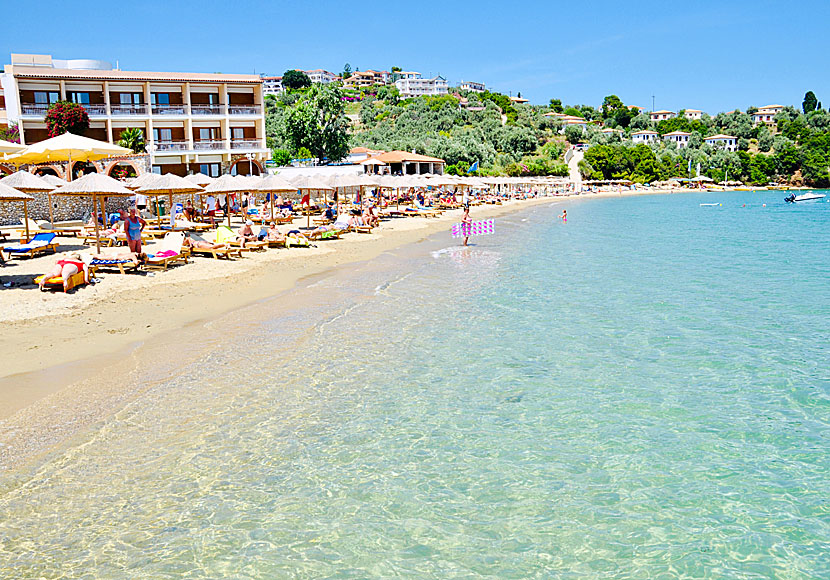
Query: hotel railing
column 171, row 145
column 207, row 109
column 244, row 109
column 169, row 109
column 128, row 109
column 98, row 110
column 33, row 108
column 245, row 144
column 209, row 144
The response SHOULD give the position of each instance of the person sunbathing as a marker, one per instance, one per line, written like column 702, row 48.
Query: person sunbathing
column 65, row 269
column 203, row 244
column 246, row 233
column 139, row 258
column 274, row 234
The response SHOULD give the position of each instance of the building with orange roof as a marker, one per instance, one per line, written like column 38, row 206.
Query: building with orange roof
column 406, row 163
column 693, row 114
column 657, row 116
column 192, row 122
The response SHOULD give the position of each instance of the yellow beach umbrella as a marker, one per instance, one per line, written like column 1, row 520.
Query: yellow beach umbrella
column 67, row 147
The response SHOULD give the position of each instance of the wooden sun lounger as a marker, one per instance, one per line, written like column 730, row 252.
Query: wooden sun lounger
column 121, row 266
column 332, row 235
column 218, row 252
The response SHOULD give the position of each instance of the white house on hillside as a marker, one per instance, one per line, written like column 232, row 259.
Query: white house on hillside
column 766, row 114
column 416, row 87
column 644, row 136
column 693, row 114
column 661, row 115
column 321, row 76
column 727, row 142
column 272, row 85
column 471, row 86
column 679, row 137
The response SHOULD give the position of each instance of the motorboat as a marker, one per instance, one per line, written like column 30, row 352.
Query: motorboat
column 810, row 196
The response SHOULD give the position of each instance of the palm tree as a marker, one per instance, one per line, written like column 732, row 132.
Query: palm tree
column 133, row 138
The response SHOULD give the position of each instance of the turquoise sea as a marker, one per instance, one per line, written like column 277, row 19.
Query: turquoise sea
column 642, row 392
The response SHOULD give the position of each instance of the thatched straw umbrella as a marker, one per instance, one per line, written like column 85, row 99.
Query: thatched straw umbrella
column 30, row 183
column 168, row 184
column 272, row 184
column 309, row 184
column 228, row 184
column 8, row 193
column 95, row 185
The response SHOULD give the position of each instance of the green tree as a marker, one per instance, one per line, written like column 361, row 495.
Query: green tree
column 295, row 79
column 347, row 71
column 611, row 105
column 810, row 102
column 133, row 138
column 556, row 105
column 281, row 157
column 573, row 134
column 65, row 117
column 765, row 140
column 318, row 123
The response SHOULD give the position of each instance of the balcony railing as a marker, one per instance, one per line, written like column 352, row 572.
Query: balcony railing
column 171, row 145
column 98, row 110
column 209, row 144
column 128, row 109
column 245, row 144
column 244, row 109
column 34, row 108
column 169, row 109
column 207, row 109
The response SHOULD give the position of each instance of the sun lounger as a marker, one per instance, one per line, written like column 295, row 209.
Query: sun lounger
column 331, row 234
column 120, row 264
column 225, row 235
column 215, row 253
column 42, row 242
column 169, row 252
column 56, row 282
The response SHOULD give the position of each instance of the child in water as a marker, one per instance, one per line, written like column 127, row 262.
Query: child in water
column 564, row 215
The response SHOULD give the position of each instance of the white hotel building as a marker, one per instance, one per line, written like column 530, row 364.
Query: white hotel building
column 418, row 87
column 472, row 86
column 213, row 123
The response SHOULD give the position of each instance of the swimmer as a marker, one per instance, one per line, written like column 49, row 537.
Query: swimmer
column 564, row 215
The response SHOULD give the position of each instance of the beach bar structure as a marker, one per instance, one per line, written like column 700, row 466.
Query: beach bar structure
column 192, row 122
column 404, row 163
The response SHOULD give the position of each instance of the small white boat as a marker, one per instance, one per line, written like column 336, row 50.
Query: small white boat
column 805, row 197
column 710, row 204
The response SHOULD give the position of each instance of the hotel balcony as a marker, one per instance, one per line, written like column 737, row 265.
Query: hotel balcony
column 128, row 109
column 35, row 109
column 246, row 144
column 207, row 109
column 244, row 109
column 163, row 110
column 209, row 144
column 171, row 146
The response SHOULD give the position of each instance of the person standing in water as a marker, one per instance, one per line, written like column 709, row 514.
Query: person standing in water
column 564, row 215
column 466, row 223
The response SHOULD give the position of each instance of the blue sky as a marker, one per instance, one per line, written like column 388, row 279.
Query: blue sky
column 705, row 54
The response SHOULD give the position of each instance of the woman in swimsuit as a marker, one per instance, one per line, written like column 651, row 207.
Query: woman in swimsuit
column 133, row 226
column 466, row 223
column 564, row 215
column 66, row 269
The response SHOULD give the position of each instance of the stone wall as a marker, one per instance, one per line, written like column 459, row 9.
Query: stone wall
column 67, row 208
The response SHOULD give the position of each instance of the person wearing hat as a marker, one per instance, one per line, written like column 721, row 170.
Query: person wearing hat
column 246, row 233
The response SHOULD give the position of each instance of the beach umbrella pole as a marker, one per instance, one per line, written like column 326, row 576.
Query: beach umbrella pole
column 51, row 215
column 97, row 239
column 26, row 219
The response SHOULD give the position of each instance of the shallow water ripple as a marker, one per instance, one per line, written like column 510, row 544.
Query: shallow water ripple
column 637, row 394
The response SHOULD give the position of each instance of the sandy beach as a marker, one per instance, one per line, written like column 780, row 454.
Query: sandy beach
column 63, row 353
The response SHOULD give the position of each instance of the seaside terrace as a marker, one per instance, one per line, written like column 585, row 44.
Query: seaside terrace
column 213, row 123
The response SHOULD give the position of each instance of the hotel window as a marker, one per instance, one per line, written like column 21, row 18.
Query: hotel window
column 208, row 133
column 160, row 135
column 79, row 97
column 129, row 98
column 160, row 98
column 209, row 169
column 46, row 97
column 238, row 133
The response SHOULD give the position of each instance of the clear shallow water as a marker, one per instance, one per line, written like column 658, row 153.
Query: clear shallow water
column 642, row 392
